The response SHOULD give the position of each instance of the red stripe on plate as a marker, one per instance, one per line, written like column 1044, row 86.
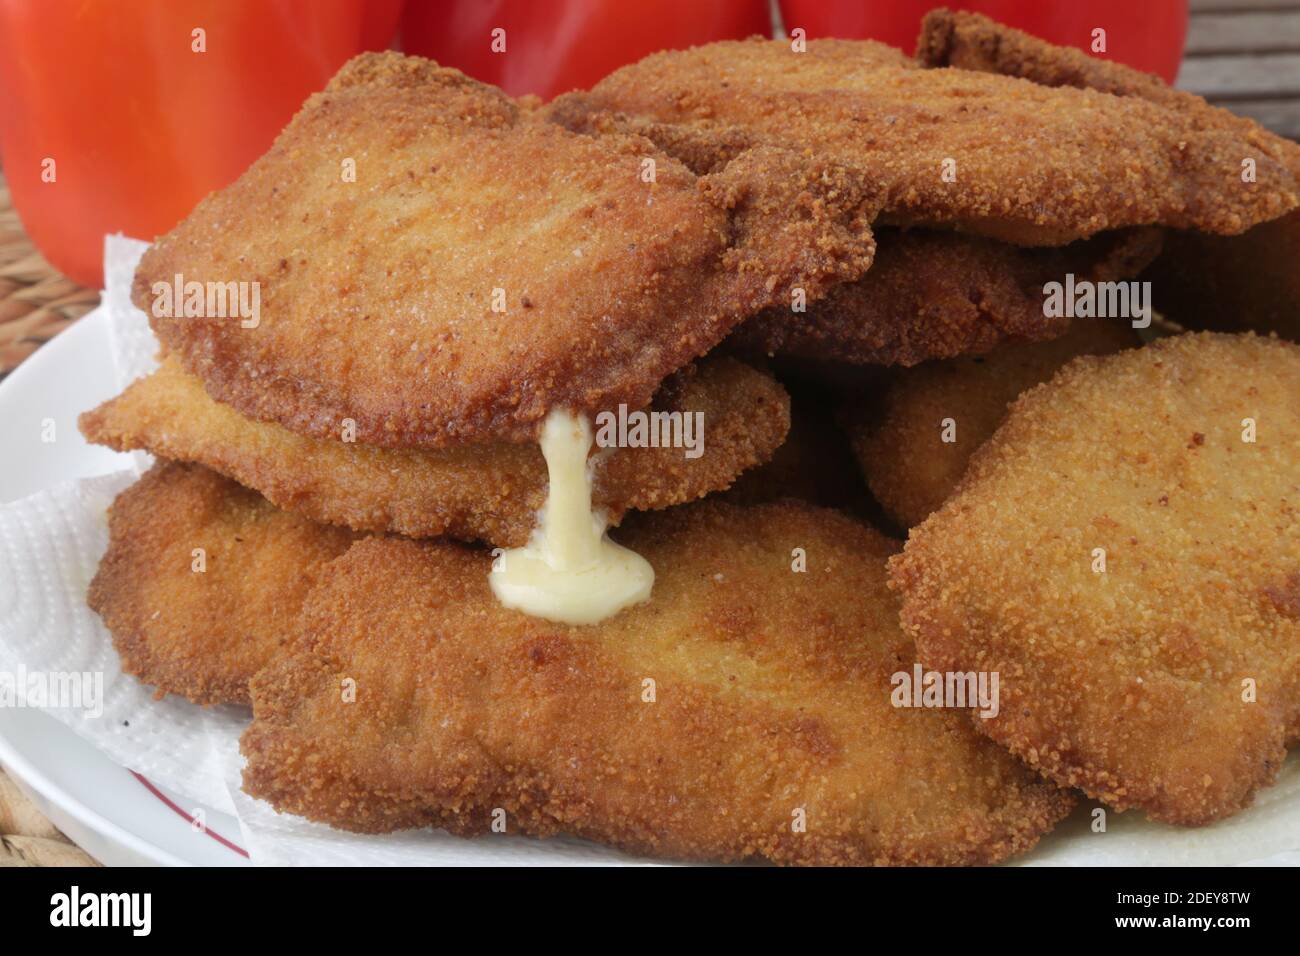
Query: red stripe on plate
column 179, row 812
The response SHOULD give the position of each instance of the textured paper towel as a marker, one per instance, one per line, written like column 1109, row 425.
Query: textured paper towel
column 50, row 545
column 134, row 346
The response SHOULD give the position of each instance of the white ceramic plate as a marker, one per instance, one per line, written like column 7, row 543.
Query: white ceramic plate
column 116, row 816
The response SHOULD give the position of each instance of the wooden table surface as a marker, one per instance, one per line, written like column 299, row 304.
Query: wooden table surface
column 1241, row 54
column 1244, row 55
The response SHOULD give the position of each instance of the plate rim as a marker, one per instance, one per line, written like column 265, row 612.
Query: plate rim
column 22, row 769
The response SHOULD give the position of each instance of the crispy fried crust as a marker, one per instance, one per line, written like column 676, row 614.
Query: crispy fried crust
column 202, row 635
column 490, row 492
column 1034, row 165
column 771, row 695
column 898, row 437
column 380, row 299
column 1229, row 283
column 1130, row 683
column 972, row 41
column 938, row 295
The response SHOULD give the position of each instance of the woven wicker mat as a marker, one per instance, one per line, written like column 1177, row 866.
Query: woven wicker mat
column 36, row 302
column 27, row 838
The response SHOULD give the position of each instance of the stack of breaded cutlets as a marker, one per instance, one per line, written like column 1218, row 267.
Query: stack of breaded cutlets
column 714, row 231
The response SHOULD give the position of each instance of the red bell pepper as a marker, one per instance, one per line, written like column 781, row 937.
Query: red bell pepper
column 119, row 115
column 549, row 47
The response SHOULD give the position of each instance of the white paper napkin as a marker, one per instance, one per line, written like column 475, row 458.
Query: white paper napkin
column 50, row 545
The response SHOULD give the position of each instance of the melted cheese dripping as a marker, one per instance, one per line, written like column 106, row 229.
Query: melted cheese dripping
column 570, row 571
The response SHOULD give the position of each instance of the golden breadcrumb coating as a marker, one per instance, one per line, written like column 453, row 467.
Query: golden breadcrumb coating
column 898, row 436
column 490, row 492
column 1170, row 681
column 202, row 634
column 937, row 295
column 972, row 41
column 484, row 267
column 982, row 153
column 771, row 705
column 1229, row 283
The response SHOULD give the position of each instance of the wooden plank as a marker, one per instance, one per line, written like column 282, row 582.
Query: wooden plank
column 1269, row 76
column 1237, row 6
column 1275, row 32
column 1280, row 116
column 1263, row 80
